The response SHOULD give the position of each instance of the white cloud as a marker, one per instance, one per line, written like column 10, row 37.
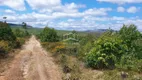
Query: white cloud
column 70, row 20
column 133, row 9
column 95, row 11
column 8, row 11
column 117, row 18
column 120, row 9
column 121, row 1
column 67, row 16
column 67, row 8
column 29, row 17
column 40, row 4
column 83, row 23
column 14, row 4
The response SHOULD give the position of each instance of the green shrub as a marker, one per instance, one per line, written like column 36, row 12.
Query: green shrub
column 19, row 42
column 130, row 63
column 84, row 49
column 6, row 32
column 4, row 47
column 106, row 52
column 137, row 49
column 49, row 35
column 21, row 33
column 129, row 34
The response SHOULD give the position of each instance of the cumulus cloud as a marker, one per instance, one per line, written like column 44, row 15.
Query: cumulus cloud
column 8, row 11
column 132, row 9
column 99, row 11
column 14, row 4
column 66, row 8
column 40, row 4
column 120, row 9
column 68, row 16
column 121, row 1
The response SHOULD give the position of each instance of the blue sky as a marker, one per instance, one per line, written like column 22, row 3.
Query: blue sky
column 73, row 14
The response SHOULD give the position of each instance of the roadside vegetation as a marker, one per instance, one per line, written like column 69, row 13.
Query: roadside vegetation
column 10, row 40
column 113, row 55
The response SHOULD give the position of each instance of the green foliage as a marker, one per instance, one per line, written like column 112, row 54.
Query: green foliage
column 128, row 62
column 7, row 39
column 10, row 40
column 49, row 35
column 6, row 32
column 4, row 47
column 24, row 25
column 132, row 38
column 88, row 38
column 137, row 48
column 129, row 34
column 122, row 49
column 86, row 44
column 21, row 33
column 106, row 52
column 19, row 42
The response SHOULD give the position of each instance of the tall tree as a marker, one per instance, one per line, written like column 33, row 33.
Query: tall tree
column 24, row 25
column 5, row 19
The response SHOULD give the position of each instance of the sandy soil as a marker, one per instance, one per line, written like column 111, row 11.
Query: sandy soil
column 32, row 63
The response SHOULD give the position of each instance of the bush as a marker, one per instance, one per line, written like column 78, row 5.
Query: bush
column 53, row 46
column 6, row 32
column 19, row 42
column 84, row 49
column 132, row 38
column 49, row 35
column 106, row 52
column 137, row 48
column 4, row 47
column 7, row 39
column 129, row 63
column 129, row 34
column 21, row 33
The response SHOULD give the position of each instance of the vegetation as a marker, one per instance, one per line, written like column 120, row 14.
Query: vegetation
column 20, row 33
column 107, row 50
column 49, row 35
column 117, row 50
column 10, row 39
column 6, row 38
column 120, row 50
column 6, row 32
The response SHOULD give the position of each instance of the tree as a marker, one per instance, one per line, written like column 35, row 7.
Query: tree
column 129, row 34
column 74, row 32
column 131, row 37
column 49, row 35
column 5, row 19
column 24, row 25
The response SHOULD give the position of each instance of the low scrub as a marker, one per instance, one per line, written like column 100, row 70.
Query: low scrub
column 4, row 47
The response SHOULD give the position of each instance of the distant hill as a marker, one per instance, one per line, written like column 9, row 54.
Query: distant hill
column 98, row 30
column 18, row 25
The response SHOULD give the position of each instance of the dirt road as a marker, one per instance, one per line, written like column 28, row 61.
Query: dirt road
column 32, row 63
